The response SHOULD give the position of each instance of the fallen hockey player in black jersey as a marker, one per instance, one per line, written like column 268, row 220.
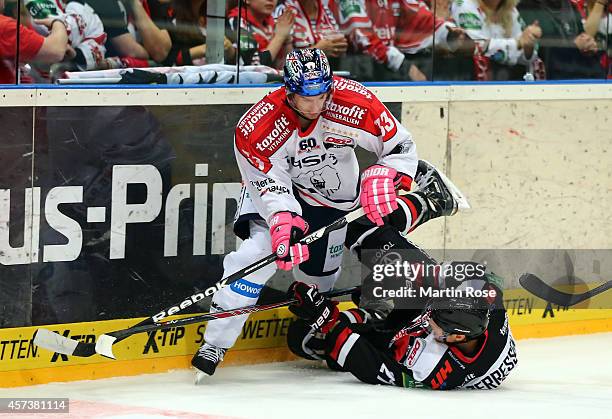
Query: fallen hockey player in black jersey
column 455, row 342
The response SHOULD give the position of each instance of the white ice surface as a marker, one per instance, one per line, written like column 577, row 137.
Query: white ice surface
column 567, row 377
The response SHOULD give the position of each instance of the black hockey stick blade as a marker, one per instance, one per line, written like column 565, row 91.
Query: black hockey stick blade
column 57, row 343
column 539, row 288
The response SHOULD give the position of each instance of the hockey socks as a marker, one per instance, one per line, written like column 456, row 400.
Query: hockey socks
column 412, row 211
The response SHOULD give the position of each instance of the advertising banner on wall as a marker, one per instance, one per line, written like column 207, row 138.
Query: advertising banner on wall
column 115, row 211
column 16, row 214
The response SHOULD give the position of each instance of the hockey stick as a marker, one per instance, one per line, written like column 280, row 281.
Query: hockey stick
column 540, row 289
column 83, row 350
column 60, row 344
column 57, row 343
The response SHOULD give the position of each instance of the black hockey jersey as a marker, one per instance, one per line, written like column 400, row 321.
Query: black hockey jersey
column 440, row 366
column 412, row 357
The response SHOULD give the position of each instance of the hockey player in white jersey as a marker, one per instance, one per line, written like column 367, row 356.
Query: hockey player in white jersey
column 296, row 152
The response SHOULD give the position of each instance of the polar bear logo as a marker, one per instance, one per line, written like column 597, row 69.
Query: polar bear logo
column 326, row 180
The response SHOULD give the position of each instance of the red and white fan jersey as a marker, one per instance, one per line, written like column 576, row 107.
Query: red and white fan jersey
column 376, row 25
column 85, row 31
column 275, row 156
column 307, row 32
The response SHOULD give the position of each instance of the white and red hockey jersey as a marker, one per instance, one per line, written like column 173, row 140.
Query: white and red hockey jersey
column 275, row 156
column 377, row 25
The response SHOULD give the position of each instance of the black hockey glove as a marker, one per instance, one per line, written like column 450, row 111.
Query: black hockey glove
column 313, row 307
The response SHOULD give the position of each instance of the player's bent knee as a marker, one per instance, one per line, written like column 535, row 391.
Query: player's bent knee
column 249, row 252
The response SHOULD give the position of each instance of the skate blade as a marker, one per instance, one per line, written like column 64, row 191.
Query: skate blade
column 201, row 378
column 462, row 202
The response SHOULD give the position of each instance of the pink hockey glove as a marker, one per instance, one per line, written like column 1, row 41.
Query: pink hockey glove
column 378, row 192
column 284, row 229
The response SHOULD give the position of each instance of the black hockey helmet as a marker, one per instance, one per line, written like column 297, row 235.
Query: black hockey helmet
column 467, row 316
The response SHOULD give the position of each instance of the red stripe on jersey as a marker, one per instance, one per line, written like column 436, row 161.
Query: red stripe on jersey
column 414, row 213
column 401, row 347
column 468, row 359
column 340, row 341
column 358, row 315
column 355, row 315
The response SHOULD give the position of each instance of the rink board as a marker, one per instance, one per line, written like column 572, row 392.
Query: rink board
column 23, row 363
column 262, row 340
column 533, row 160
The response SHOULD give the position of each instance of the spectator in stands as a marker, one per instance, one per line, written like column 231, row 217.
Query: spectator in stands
column 181, row 38
column 504, row 50
column 567, row 50
column 400, row 35
column 190, row 29
column 598, row 24
column 120, row 42
column 32, row 46
column 154, row 32
column 262, row 40
column 85, row 30
column 315, row 26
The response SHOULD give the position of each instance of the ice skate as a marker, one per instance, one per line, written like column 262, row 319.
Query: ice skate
column 206, row 360
column 444, row 197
